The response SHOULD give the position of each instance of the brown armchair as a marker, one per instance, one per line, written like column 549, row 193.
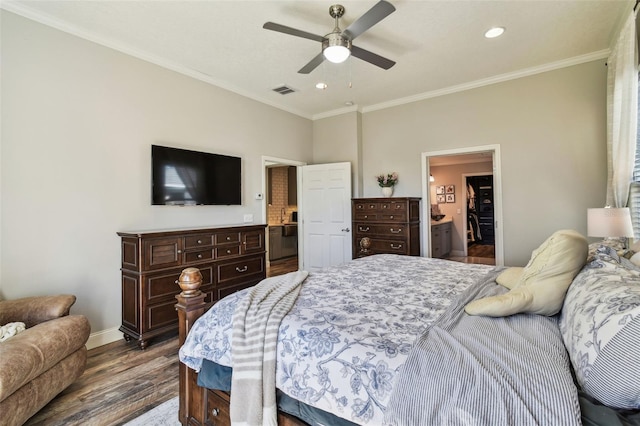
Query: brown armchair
column 40, row 362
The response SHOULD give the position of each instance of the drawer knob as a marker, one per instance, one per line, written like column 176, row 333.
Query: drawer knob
column 361, row 229
column 179, row 251
column 228, row 251
column 215, row 412
column 199, row 241
column 200, row 256
column 366, row 217
column 243, row 269
column 398, row 206
column 228, row 238
column 391, row 217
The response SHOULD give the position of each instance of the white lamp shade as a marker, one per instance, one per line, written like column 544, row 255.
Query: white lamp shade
column 336, row 54
column 609, row 222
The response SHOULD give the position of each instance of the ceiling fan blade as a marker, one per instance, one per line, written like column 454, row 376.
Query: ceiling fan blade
column 292, row 31
column 371, row 57
column 313, row 64
column 377, row 13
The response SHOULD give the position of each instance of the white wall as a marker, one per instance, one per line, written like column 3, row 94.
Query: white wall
column 551, row 128
column 78, row 120
column 338, row 139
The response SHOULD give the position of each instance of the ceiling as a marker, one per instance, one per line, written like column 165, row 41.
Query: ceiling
column 439, row 46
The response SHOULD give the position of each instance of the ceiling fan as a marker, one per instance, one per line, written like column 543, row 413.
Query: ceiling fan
column 337, row 45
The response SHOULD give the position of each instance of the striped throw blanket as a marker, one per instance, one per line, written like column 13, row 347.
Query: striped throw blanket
column 256, row 321
column 473, row 370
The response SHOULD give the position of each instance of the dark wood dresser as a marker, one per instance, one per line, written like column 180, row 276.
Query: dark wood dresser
column 386, row 225
column 229, row 258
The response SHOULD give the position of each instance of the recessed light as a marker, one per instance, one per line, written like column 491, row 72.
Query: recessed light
column 321, row 85
column 494, row 32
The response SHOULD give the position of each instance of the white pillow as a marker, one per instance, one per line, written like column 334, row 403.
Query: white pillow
column 11, row 329
column 600, row 326
column 543, row 283
column 635, row 259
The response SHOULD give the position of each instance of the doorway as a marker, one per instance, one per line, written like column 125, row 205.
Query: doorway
column 479, row 211
column 446, row 171
column 280, row 213
column 322, row 222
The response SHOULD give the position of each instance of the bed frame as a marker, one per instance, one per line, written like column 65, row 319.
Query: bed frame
column 198, row 405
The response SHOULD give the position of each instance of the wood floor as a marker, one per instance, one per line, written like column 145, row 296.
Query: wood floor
column 478, row 253
column 282, row 266
column 120, row 383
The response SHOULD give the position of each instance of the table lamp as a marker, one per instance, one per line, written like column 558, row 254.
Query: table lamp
column 610, row 222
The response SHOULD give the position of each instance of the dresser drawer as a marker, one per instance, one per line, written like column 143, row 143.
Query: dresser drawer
column 393, row 216
column 365, row 215
column 200, row 240
column 164, row 286
column 218, row 407
column 393, row 206
column 380, row 216
column 198, row 256
column 221, row 292
column 222, row 252
column 380, row 246
column 388, row 231
column 227, row 238
column 366, row 206
column 230, row 271
column 161, row 315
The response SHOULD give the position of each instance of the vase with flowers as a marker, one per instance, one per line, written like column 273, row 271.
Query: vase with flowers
column 387, row 182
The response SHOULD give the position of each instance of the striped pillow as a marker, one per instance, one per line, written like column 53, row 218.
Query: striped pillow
column 600, row 325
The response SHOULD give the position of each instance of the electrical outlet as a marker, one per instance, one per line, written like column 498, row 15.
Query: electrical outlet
column 248, row 218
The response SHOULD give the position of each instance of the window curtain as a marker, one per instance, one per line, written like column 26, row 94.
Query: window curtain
column 622, row 110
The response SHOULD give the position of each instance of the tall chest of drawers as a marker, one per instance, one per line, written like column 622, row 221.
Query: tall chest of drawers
column 386, row 225
column 229, row 258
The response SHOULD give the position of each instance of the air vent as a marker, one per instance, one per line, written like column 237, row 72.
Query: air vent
column 284, row 90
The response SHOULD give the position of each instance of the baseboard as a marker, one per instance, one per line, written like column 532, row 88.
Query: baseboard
column 103, row 337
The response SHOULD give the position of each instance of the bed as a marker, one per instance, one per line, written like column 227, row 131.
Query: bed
column 385, row 340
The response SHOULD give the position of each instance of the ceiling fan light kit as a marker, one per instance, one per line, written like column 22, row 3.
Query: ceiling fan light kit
column 335, row 48
column 337, row 45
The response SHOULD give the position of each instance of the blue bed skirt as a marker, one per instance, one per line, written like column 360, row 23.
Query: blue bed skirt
column 216, row 376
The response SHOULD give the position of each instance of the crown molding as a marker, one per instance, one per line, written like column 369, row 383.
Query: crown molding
column 335, row 112
column 576, row 60
column 33, row 15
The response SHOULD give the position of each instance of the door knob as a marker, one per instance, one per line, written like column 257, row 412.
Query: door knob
column 345, row 230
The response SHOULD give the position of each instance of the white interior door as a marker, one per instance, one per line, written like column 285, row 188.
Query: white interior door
column 326, row 215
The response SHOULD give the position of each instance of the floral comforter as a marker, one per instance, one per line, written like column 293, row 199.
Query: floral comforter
column 341, row 346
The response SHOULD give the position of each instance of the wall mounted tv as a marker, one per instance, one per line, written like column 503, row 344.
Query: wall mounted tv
column 182, row 177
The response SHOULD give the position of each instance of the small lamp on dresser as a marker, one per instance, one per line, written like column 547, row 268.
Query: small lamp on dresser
column 610, row 222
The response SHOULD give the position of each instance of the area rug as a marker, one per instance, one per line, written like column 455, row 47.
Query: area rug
column 165, row 414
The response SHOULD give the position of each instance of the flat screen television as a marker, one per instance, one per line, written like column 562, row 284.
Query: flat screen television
column 183, row 177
